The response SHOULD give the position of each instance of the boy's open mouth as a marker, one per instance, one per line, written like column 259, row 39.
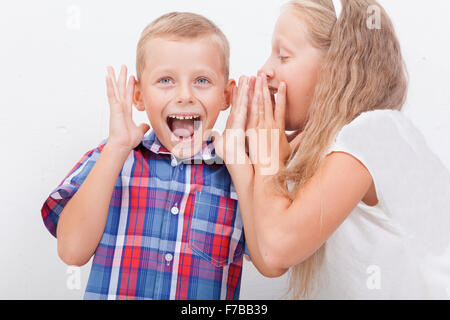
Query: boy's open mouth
column 183, row 126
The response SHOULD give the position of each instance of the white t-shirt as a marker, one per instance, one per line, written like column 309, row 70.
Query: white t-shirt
column 400, row 248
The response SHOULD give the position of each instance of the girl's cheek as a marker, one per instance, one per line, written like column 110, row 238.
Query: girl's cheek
column 284, row 75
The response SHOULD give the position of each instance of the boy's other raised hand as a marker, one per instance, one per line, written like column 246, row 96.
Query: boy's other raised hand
column 123, row 132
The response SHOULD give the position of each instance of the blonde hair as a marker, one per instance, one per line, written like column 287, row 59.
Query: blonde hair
column 362, row 70
column 182, row 25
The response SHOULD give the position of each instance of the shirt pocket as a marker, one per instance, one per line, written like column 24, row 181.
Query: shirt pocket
column 216, row 232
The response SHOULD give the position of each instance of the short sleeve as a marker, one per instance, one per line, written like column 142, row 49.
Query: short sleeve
column 368, row 138
column 58, row 198
column 411, row 182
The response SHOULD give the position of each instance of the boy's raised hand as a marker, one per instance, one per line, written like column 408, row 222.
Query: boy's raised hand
column 123, row 132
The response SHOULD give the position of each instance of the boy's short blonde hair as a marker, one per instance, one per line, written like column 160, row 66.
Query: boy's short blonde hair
column 182, row 25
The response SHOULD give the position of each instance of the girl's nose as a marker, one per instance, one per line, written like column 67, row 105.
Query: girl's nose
column 267, row 70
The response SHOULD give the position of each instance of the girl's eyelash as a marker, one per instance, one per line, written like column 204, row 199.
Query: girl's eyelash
column 282, row 58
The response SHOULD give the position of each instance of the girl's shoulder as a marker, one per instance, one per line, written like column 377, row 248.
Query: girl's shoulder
column 386, row 142
column 369, row 119
column 397, row 155
column 381, row 129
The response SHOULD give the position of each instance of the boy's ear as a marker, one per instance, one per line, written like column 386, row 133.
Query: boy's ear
column 137, row 97
column 229, row 93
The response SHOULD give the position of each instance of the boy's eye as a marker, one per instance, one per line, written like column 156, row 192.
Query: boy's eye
column 165, row 81
column 282, row 58
column 202, row 81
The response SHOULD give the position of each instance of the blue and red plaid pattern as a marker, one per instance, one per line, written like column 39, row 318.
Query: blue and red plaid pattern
column 173, row 231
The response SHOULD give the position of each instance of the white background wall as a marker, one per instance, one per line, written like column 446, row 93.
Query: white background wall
column 54, row 107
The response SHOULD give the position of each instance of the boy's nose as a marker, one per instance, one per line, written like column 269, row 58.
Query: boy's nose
column 184, row 95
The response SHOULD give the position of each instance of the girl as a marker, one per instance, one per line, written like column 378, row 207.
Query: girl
column 358, row 208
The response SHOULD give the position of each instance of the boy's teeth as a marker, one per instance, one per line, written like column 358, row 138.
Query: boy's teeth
column 184, row 118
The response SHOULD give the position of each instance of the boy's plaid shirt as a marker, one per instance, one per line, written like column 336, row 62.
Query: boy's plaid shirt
column 173, row 231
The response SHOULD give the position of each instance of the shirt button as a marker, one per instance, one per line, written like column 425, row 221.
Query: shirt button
column 168, row 257
column 174, row 210
column 174, row 163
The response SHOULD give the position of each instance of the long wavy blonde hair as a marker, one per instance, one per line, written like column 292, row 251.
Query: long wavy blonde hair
column 362, row 70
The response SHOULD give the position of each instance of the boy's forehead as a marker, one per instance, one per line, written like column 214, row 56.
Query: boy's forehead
column 173, row 42
column 175, row 51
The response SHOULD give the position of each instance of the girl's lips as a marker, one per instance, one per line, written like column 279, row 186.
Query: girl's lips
column 273, row 93
column 273, row 90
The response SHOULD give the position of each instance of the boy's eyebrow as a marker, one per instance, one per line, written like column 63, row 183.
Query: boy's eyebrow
column 169, row 70
column 206, row 71
column 162, row 70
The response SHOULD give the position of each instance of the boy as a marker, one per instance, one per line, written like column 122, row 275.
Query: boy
column 160, row 225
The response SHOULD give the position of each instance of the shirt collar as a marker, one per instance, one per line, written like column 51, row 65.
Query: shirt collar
column 152, row 143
